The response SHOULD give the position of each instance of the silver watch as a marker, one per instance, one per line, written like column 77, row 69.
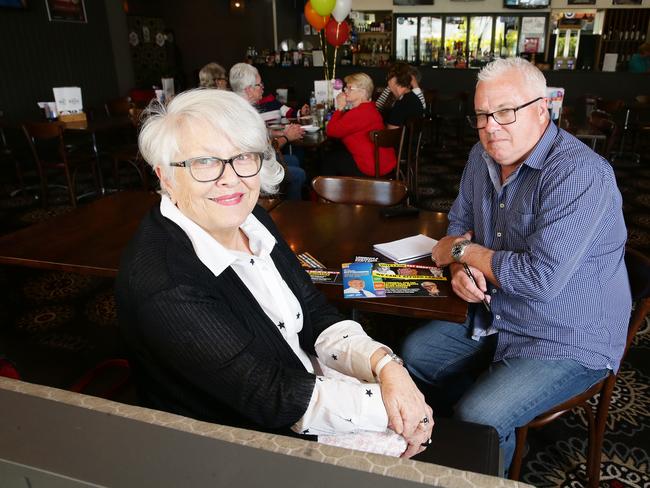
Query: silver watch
column 458, row 249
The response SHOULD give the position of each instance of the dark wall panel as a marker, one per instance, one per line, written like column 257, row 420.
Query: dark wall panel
column 36, row 55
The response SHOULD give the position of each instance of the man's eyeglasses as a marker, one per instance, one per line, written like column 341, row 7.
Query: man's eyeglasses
column 505, row 116
column 210, row 168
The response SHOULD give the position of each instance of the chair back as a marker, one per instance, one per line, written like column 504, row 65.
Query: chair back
column 388, row 138
column 118, row 107
column 638, row 271
column 44, row 139
column 362, row 191
column 414, row 128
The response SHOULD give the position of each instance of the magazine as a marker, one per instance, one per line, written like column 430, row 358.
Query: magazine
column 373, row 280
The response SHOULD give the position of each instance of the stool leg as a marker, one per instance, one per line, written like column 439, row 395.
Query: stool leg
column 515, row 466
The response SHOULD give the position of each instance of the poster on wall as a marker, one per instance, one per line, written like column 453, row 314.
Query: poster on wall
column 582, row 2
column 66, row 10
column 627, row 2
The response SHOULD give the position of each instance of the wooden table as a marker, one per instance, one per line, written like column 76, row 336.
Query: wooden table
column 91, row 238
column 335, row 234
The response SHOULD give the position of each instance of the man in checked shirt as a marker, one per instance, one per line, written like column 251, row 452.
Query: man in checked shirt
column 538, row 220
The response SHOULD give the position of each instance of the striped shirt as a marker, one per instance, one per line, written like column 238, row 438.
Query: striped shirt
column 556, row 226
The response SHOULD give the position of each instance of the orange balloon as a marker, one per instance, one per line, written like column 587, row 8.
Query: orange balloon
column 316, row 20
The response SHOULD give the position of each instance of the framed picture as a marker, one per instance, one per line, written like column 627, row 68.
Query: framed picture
column 582, row 2
column 66, row 10
column 626, row 2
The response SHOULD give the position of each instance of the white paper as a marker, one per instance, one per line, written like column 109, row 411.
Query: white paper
column 318, row 59
column 320, row 91
column 555, row 96
column 168, row 88
column 609, row 63
column 407, row 249
column 68, row 99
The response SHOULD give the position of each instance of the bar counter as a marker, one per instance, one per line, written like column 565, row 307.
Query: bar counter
column 450, row 81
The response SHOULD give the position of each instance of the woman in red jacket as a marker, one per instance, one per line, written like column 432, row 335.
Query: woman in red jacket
column 355, row 117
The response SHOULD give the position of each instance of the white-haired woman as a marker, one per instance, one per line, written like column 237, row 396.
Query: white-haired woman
column 221, row 322
column 355, row 117
column 213, row 75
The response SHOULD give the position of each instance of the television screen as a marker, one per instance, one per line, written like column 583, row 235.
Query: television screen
column 526, row 3
column 13, row 3
column 412, row 2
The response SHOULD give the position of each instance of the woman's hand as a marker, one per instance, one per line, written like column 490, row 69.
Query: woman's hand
column 341, row 101
column 406, row 408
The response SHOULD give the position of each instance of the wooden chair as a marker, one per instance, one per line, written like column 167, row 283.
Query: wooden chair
column 414, row 129
column 130, row 154
column 7, row 154
column 362, row 191
column 638, row 268
column 48, row 148
column 118, row 107
column 388, row 138
column 450, row 111
column 105, row 380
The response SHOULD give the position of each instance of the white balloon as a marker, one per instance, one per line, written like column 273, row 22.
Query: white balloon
column 341, row 9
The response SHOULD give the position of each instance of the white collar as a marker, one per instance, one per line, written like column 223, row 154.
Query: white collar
column 211, row 253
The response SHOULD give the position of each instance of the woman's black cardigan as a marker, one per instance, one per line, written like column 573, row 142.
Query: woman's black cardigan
column 200, row 345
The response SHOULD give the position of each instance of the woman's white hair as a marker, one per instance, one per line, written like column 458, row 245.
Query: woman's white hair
column 535, row 81
column 231, row 117
column 242, row 75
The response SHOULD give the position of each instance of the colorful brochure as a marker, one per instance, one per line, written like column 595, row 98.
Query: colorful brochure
column 372, row 280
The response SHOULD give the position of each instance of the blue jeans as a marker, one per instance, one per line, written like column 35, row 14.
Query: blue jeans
column 296, row 178
column 505, row 394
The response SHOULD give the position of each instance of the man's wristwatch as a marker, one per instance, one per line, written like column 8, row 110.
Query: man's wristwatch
column 385, row 360
column 458, row 249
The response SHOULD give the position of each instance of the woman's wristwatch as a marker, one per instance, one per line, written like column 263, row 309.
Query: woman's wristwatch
column 384, row 361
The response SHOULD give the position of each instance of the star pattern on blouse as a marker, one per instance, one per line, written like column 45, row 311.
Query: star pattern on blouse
column 320, row 378
column 369, row 393
column 335, row 357
column 281, row 325
column 298, row 315
column 252, row 261
column 348, row 420
column 345, row 336
column 306, row 431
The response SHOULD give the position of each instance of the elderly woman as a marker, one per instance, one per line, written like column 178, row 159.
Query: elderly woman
column 221, row 321
column 355, row 117
column 213, row 75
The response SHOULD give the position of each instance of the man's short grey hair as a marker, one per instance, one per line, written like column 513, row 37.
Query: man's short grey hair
column 535, row 81
column 229, row 115
column 242, row 75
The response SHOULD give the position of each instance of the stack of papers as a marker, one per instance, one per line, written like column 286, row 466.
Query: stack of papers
column 406, row 249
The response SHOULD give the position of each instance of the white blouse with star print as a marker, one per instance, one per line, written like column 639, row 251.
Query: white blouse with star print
column 339, row 404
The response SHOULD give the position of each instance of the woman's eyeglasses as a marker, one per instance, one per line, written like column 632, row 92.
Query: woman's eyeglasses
column 505, row 116
column 210, row 168
column 349, row 88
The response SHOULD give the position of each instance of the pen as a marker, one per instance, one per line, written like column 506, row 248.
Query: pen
column 471, row 277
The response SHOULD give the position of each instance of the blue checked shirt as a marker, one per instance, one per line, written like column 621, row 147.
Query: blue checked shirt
column 557, row 227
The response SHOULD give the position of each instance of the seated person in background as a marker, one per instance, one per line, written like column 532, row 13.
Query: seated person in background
column 386, row 100
column 355, row 117
column 246, row 82
column 221, row 322
column 213, row 75
column 407, row 104
column 538, row 220
column 640, row 61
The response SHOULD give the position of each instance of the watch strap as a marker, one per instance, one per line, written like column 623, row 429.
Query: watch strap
column 384, row 361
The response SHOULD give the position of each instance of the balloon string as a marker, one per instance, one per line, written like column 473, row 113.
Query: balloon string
column 323, row 46
column 334, row 63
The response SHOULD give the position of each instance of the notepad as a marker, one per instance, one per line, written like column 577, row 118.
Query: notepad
column 407, row 249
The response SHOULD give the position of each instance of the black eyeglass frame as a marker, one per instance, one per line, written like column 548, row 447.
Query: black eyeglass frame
column 187, row 164
column 487, row 116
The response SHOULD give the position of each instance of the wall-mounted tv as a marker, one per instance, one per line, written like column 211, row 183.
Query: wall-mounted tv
column 13, row 3
column 526, row 3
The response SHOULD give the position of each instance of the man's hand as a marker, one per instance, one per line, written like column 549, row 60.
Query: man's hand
column 414, row 82
column 463, row 286
column 406, row 408
column 293, row 132
column 441, row 252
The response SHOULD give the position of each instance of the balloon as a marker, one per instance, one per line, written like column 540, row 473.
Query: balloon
column 323, row 7
column 316, row 20
column 337, row 33
column 341, row 9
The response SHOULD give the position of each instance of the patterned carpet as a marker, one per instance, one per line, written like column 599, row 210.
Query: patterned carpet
column 55, row 326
